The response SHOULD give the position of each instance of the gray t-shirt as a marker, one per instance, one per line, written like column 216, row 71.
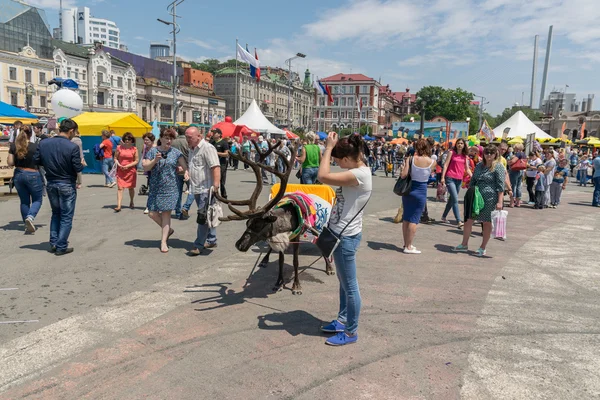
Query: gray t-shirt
column 550, row 167
column 349, row 200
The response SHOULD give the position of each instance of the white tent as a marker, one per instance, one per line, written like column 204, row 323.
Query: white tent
column 254, row 119
column 520, row 126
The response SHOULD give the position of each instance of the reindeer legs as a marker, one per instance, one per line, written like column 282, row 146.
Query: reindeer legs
column 265, row 261
column 296, row 288
column 328, row 268
column 279, row 284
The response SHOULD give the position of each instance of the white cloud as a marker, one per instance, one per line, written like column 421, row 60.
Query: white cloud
column 140, row 38
column 200, row 43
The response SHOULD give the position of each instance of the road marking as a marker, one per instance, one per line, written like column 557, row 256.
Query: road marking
column 19, row 322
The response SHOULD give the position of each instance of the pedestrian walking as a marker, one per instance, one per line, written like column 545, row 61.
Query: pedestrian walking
column 455, row 167
column 559, row 182
column 596, row 181
column 149, row 140
column 126, row 158
column 515, row 174
column 489, row 177
column 180, row 144
column 77, row 140
column 532, row 170
column 204, row 170
column 108, row 160
column 540, row 188
column 163, row 162
column 61, row 160
column 246, row 150
column 352, row 195
column 420, row 167
column 27, row 178
column 584, row 163
column 550, row 165
column 235, row 149
column 310, row 157
column 222, row 148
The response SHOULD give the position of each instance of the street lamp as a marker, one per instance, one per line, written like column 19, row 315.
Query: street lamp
column 289, row 62
column 468, row 125
column 173, row 12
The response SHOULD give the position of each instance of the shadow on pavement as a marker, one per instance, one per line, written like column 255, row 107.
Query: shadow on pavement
column 38, row 246
column 387, row 219
column 382, row 246
column 444, row 248
column 18, row 226
column 295, row 323
column 155, row 244
column 586, row 204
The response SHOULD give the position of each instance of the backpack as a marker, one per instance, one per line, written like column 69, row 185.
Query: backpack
column 98, row 152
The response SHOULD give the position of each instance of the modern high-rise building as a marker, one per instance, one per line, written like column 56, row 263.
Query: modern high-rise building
column 159, row 50
column 79, row 27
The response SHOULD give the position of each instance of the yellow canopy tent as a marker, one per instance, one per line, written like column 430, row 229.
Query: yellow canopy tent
column 92, row 123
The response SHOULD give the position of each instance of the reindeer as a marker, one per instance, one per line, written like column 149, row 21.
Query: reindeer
column 273, row 225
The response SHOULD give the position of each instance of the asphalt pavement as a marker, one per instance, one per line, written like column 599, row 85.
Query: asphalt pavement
column 119, row 320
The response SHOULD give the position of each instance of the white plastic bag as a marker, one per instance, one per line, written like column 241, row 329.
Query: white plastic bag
column 113, row 172
column 499, row 219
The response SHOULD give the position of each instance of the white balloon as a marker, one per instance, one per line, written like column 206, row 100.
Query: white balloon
column 67, row 103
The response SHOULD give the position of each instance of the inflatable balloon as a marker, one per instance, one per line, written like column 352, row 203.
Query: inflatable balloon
column 228, row 119
column 67, row 103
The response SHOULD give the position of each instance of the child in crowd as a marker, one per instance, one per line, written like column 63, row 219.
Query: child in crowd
column 540, row 187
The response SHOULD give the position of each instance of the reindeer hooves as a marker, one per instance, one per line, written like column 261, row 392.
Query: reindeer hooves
column 330, row 272
column 297, row 291
column 277, row 288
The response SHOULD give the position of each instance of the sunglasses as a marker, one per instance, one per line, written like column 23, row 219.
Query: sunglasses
column 127, row 140
column 489, row 154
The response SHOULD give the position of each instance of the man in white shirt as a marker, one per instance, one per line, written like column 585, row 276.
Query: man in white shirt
column 15, row 131
column 205, row 173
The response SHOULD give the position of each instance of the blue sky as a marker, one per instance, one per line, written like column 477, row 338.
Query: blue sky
column 484, row 46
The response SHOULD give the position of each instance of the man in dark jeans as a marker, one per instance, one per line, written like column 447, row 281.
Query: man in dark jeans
column 62, row 161
column 222, row 151
column 181, row 144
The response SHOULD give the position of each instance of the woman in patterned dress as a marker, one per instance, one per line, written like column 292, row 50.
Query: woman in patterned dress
column 489, row 178
column 126, row 158
column 164, row 162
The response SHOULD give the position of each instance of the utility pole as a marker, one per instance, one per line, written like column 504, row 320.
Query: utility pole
column 173, row 12
column 289, row 63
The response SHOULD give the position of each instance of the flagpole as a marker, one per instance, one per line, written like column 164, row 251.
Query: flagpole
column 256, row 83
column 236, row 80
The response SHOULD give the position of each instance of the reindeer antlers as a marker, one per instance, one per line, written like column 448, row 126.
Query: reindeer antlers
column 256, row 167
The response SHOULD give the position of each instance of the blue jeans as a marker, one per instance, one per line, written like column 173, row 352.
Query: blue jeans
column 107, row 165
column 309, row 175
column 188, row 202
column 204, row 234
column 344, row 257
column 30, row 189
column 179, row 195
column 453, row 186
column 596, row 198
column 516, row 181
column 62, row 198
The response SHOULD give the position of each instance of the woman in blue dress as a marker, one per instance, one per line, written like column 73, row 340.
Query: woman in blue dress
column 164, row 162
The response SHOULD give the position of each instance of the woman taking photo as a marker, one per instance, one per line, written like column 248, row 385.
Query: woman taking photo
column 532, row 165
column 310, row 157
column 516, row 175
column 126, row 158
column 163, row 162
column 489, row 178
column 420, row 165
column 455, row 167
column 353, row 193
column 27, row 178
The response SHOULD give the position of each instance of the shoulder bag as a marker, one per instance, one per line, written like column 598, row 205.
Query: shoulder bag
column 328, row 241
column 403, row 185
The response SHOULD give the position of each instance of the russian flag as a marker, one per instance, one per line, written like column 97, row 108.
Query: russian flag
column 252, row 67
column 257, row 70
column 328, row 91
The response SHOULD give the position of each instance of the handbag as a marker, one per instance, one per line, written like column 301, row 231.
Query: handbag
column 403, row 185
column 519, row 165
column 328, row 241
column 499, row 223
column 214, row 210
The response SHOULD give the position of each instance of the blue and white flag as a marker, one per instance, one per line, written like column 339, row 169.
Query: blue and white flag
column 318, row 88
column 246, row 57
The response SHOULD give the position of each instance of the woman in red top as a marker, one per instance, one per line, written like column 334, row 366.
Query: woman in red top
column 457, row 163
column 126, row 159
column 107, row 161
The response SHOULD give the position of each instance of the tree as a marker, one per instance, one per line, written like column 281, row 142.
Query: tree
column 212, row 65
column 452, row 104
column 407, row 117
column 533, row 115
column 346, row 132
column 366, row 129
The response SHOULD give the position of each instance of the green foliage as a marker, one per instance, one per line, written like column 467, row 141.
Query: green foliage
column 407, row 117
column 452, row 104
column 212, row 65
column 366, row 129
column 346, row 132
column 533, row 115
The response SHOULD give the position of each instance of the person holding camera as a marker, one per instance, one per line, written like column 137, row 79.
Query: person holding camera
column 204, row 172
column 164, row 162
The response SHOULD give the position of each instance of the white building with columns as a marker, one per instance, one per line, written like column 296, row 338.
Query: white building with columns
column 105, row 82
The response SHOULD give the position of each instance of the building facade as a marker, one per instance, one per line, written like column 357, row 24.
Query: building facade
column 155, row 102
column 24, row 81
column 78, row 26
column 349, row 91
column 159, row 50
column 22, row 25
column 105, row 82
column 196, row 78
column 389, row 108
column 271, row 95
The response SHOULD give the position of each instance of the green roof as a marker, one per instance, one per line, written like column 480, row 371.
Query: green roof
column 83, row 52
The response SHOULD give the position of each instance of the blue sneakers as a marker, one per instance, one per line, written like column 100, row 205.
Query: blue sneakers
column 341, row 338
column 334, row 327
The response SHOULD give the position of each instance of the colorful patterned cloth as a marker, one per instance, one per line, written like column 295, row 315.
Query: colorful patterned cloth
column 305, row 207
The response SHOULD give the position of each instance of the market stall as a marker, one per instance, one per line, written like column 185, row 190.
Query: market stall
column 91, row 125
column 9, row 114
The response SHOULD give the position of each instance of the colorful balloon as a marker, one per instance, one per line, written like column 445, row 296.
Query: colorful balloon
column 67, row 103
